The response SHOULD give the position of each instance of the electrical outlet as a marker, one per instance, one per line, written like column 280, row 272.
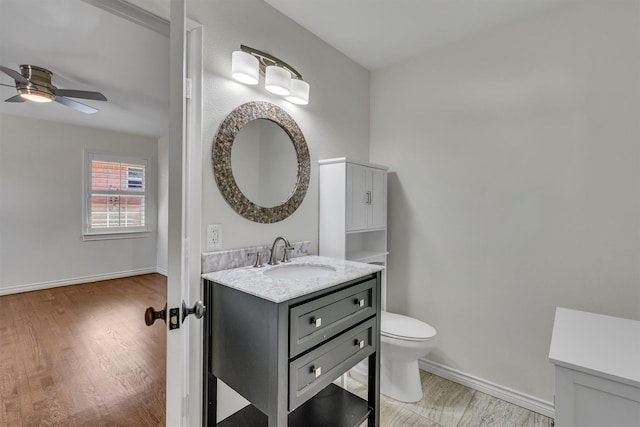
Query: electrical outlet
column 214, row 236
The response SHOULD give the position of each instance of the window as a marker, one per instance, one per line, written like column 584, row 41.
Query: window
column 115, row 195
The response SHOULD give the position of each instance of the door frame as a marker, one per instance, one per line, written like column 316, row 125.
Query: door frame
column 184, row 345
column 194, row 367
column 183, row 385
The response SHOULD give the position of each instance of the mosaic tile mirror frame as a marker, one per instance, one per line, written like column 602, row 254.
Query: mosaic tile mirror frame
column 222, row 167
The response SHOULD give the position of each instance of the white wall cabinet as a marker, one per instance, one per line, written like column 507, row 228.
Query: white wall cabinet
column 353, row 212
column 365, row 197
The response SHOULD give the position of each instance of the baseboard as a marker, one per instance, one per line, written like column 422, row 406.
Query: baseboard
column 509, row 395
column 162, row 271
column 75, row 281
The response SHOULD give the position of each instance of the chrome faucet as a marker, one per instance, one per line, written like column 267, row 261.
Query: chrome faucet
column 287, row 247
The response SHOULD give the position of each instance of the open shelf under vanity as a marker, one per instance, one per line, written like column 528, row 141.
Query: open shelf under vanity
column 333, row 406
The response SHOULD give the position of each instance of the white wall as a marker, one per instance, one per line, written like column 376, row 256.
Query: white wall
column 41, row 172
column 335, row 123
column 514, row 185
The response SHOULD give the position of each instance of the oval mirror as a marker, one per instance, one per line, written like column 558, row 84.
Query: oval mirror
column 264, row 163
column 261, row 162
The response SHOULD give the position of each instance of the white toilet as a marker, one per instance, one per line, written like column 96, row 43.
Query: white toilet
column 403, row 341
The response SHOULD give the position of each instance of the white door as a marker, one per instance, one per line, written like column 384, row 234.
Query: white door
column 184, row 344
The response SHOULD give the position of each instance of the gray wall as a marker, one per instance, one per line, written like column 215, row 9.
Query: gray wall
column 41, row 172
column 514, row 185
column 335, row 123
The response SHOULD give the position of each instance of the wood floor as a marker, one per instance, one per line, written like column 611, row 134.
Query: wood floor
column 82, row 355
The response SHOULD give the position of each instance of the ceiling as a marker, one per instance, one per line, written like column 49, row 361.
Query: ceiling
column 88, row 48
column 379, row 33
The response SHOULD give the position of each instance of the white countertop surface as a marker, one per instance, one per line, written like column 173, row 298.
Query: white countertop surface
column 600, row 345
column 254, row 281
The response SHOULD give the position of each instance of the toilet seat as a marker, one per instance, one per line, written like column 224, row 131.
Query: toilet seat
column 406, row 328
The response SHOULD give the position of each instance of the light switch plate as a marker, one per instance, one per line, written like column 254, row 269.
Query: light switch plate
column 214, row 236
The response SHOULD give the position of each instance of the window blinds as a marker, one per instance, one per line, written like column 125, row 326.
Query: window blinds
column 118, row 195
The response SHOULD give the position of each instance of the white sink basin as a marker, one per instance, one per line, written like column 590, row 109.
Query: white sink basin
column 300, row 271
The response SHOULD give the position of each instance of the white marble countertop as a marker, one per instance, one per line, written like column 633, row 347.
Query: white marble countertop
column 256, row 281
column 599, row 345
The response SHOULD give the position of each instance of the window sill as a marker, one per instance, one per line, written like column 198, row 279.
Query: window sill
column 113, row 236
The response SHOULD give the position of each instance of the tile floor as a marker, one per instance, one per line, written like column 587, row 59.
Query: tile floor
column 448, row 404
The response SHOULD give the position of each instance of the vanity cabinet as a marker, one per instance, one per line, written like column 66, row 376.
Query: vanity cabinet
column 597, row 367
column 284, row 356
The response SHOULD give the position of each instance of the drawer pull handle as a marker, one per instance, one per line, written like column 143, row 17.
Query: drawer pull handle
column 359, row 343
column 316, row 371
column 359, row 302
column 316, row 321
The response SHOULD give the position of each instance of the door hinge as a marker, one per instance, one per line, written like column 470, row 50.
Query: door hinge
column 185, row 405
column 187, row 88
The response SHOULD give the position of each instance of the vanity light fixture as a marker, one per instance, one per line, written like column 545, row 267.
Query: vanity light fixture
column 299, row 92
column 245, row 67
column 277, row 80
column 280, row 78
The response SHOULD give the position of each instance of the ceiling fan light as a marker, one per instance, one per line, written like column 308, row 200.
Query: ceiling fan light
column 245, row 67
column 299, row 92
column 277, row 80
column 34, row 96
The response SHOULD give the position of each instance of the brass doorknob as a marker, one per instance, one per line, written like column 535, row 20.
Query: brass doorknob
column 151, row 315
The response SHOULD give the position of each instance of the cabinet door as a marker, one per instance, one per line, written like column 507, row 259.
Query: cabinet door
column 356, row 197
column 377, row 213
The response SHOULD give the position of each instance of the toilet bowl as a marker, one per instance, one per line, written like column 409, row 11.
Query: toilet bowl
column 403, row 340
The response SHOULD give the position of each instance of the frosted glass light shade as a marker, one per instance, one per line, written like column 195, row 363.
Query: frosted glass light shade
column 36, row 96
column 299, row 92
column 277, row 80
column 245, row 67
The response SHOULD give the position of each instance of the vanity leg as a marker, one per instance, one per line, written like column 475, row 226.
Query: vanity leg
column 279, row 419
column 210, row 382
column 374, row 389
column 211, row 396
column 374, row 365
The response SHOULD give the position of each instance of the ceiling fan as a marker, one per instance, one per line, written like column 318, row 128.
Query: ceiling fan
column 34, row 84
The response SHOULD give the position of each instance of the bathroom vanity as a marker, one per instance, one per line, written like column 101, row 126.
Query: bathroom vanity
column 280, row 335
column 597, row 365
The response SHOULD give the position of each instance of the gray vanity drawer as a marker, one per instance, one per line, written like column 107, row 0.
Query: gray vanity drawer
column 313, row 371
column 315, row 321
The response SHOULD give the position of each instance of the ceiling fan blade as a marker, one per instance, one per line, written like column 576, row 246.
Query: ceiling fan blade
column 16, row 98
column 14, row 75
column 85, row 94
column 75, row 105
